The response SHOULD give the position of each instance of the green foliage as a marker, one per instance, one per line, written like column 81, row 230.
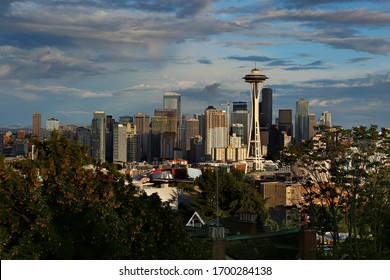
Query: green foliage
column 54, row 208
column 235, row 195
column 346, row 176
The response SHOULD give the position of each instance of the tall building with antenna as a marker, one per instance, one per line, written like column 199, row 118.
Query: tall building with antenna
column 254, row 155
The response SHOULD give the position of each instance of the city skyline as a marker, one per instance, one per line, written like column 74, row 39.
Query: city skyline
column 70, row 59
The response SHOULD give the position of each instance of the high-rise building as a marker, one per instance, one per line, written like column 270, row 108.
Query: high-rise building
column 191, row 130
column 163, row 134
column 240, row 106
column 215, row 130
column 84, row 137
column 325, row 119
column 99, row 136
column 172, row 101
column 196, row 153
column 109, row 138
column 126, row 119
column 37, row 118
column 119, row 142
column 133, row 143
column 52, row 124
column 241, row 117
column 312, row 125
column 237, row 129
column 142, row 122
column 301, row 121
column 266, row 107
column 285, row 121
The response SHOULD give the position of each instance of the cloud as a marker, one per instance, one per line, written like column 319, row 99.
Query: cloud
column 348, row 17
column 359, row 59
column 46, row 62
column 252, row 58
column 343, row 29
column 327, row 102
column 204, row 61
column 73, row 112
column 182, row 8
column 62, row 90
column 211, row 89
column 319, row 64
column 370, row 80
column 361, row 44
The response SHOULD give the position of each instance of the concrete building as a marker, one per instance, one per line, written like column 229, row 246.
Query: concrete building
column 191, row 130
column 52, row 124
column 99, row 136
column 285, row 121
column 37, row 124
column 215, row 130
column 163, row 134
column 119, row 143
column 133, row 143
column 142, row 122
column 325, row 119
column 240, row 117
column 312, row 125
column 84, row 137
column 240, row 106
column 172, row 101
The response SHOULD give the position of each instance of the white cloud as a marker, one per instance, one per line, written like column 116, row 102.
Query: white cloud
column 327, row 102
column 62, row 90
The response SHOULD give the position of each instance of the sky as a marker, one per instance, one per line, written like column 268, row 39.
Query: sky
column 69, row 58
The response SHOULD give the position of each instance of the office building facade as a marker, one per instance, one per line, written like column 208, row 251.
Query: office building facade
column 99, row 136
column 301, row 121
column 37, row 124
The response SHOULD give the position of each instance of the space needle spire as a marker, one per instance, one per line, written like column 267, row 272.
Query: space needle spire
column 254, row 154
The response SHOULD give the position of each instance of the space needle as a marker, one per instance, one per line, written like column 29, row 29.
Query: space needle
column 254, row 155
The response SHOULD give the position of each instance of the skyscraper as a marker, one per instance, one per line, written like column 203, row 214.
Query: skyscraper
column 99, row 136
column 163, row 134
column 52, row 124
column 215, row 130
column 266, row 107
column 109, row 138
column 133, row 144
column 285, row 121
column 241, row 117
column 172, row 101
column 325, row 119
column 37, row 118
column 312, row 125
column 84, row 137
column 119, row 143
column 126, row 119
column 240, row 105
column 301, row 121
column 142, row 122
column 191, row 130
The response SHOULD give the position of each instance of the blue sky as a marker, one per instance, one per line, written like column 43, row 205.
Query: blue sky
column 69, row 58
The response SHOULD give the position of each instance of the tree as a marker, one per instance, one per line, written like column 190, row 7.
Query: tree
column 345, row 173
column 234, row 195
column 56, row 208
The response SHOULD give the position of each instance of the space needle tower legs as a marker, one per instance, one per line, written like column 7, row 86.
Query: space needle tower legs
column 254, row 155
